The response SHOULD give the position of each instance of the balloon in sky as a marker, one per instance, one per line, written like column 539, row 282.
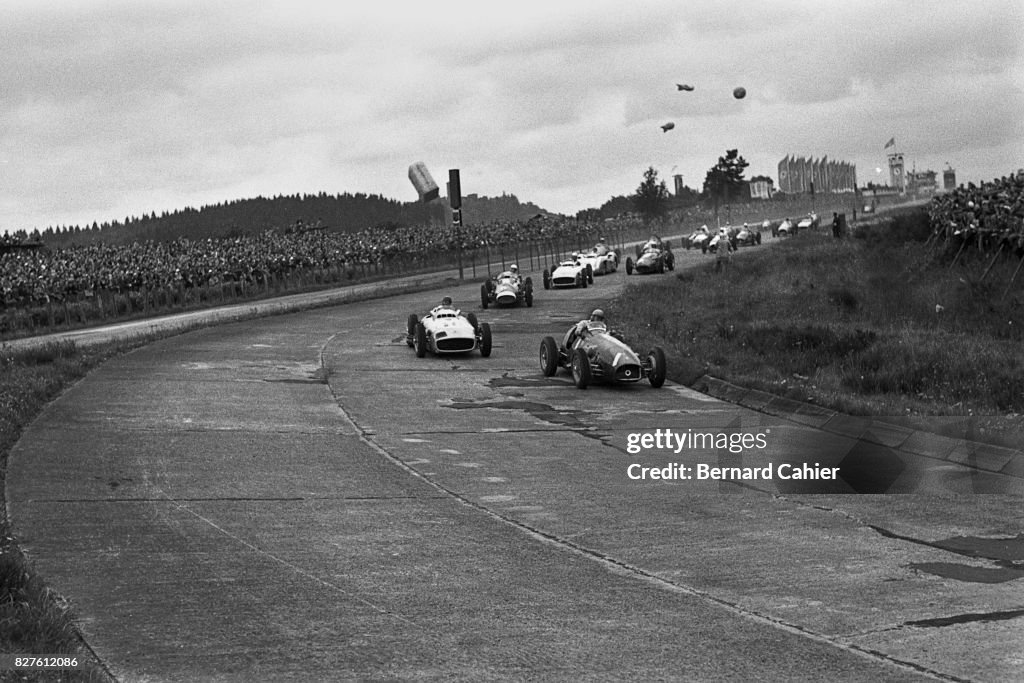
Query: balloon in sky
column 668, row 126
column 739, row 93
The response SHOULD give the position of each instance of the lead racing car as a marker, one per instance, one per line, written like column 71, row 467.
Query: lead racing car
column 594, row 354
column 445, row 330
column 507, row 289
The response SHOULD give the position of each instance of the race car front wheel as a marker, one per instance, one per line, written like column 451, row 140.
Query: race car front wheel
column 548, row 356
column 580, row 369
column 485, row 339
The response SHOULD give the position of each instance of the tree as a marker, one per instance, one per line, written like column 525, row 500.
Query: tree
column 651, row 198
column 724, row 181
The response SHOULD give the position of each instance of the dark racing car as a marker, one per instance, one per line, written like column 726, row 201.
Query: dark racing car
column 594, row 354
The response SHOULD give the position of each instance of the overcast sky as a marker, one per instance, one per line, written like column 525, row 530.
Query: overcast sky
column 110, row 109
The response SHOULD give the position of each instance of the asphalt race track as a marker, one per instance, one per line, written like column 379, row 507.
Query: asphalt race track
column 301, row 498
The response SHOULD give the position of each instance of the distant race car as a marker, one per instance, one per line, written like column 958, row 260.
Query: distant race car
column 593, row 354
column 698, row 238
column 569, row 273
column 810, row 221
column 445, row 330
column 652, row 258
column 748, row 236
column 786, row 229
column 507, row 289
column 601, row 259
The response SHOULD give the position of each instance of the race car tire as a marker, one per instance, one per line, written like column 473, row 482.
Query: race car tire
column 661, row 265
column 580, row 369
column 590, row 274
column 485, row 340
column 529, row 298
column 581, row 280
column 757, row 238
column 671, row 261
column 471, row 317
column 629, row 266
column 656, row 357
column 411, row 329
column 549, row 356
column 547, row 280
column 420, row 340
column 484, row 297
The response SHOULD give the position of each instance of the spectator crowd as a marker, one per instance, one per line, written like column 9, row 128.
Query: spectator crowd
column 38, row 275
column 990, row 214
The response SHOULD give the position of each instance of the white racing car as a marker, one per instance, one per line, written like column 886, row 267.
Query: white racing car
column 601, row 259
column 569, row 273
column 445, row 330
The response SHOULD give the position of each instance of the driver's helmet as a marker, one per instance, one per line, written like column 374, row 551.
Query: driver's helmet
column 514, row 269
column 597, row 316
column 447, row 301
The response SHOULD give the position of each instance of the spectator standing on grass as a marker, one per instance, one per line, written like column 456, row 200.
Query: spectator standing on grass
column 724, row 250
column 835, row 225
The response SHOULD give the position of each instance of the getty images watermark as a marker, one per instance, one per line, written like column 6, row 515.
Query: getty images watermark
column 733, row 443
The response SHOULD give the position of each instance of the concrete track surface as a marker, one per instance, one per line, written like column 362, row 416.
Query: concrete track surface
column 301, row 498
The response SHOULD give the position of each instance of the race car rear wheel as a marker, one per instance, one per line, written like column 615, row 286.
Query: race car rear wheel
column 590, row 274
column 471, row 317
column 671, row 262
column 580, row 369
column 411, row 329
column 549, row 356
column 629, row 265
column 484, row 297
column 420, row 340
column 529, row 298
column 485, row 339
column 547, row 280
column 656, row 357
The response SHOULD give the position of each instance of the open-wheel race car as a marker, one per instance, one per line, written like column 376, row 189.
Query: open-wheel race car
column 594, row 354
column 507, row 289
column 569, row 273
column 811, row 221
column 601, row 258
column 653, row 257
column 748, row 236
column 445, row 330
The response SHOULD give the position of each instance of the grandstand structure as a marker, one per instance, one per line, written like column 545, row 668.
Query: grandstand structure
column 799, row 175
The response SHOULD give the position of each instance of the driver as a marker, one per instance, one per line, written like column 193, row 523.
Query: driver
column 583, row 328
column 445, row 305
column 511, row 274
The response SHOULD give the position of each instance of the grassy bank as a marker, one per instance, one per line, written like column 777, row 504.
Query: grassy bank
column 33, row 619
column 872, row 325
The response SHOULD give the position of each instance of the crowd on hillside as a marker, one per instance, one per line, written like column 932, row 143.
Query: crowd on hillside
column 991, row 214
column 40, row 275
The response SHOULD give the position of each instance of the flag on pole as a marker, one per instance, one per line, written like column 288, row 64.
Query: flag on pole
column 891, row 143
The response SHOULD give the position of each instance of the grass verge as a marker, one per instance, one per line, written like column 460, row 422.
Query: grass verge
column 875, row 325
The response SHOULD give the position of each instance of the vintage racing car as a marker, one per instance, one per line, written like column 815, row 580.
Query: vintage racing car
column 786, row 229
column 698, row 238
column 507, row 289
column 811, row 220
column 445, row 330
column 601, row 259
column 593, row 354
column 651, row 258
column 747, row 236
column 569, row 273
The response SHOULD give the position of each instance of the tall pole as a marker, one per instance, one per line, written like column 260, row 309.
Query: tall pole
column 455, row 199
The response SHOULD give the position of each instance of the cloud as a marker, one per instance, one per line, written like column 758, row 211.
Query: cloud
column 115, row 108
